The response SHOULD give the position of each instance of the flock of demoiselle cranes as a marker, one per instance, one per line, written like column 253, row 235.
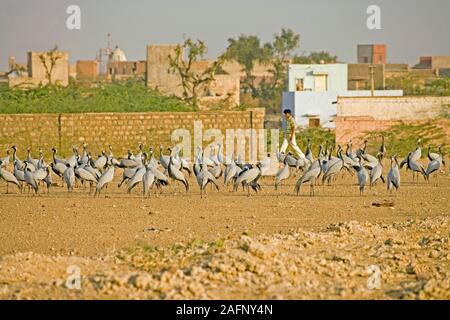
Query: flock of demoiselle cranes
column 154, row 172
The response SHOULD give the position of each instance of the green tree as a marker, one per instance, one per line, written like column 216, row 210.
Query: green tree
column 277, row 54
column 301, row 59
column 245, row 50
column 248, row 50
column 191, row 81
column 315, row 58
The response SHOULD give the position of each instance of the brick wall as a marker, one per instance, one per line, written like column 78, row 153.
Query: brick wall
column 379, row 53
column 358, row 115
column 122, row 130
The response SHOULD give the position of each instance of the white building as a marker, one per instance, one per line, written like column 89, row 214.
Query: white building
column 313, row 90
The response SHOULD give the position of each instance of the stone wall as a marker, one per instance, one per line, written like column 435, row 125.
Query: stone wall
column 358, row 115
column 122, row 130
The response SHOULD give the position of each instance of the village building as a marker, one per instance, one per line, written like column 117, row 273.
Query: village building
column 41, row 68
column 224, row 90
column 439, row 65
column 313, row 90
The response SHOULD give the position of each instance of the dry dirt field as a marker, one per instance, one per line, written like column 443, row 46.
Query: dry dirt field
column 227, row 245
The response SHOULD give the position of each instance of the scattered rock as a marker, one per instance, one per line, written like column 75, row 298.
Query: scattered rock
column 383, row 203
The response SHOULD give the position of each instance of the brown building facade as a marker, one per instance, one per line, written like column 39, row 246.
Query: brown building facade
column 372, row 53
column 126, row 68
column 41, row 71
column 224, row 90
column 433, row 63
column 87, row 70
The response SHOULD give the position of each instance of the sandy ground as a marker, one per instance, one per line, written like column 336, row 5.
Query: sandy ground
column 200, row 242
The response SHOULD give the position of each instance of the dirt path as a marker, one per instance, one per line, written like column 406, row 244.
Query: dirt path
column 63, row 223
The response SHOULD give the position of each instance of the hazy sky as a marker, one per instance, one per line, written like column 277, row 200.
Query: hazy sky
column 410, row 28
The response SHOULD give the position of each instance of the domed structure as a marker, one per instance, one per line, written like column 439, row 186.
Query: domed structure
column 117, row 55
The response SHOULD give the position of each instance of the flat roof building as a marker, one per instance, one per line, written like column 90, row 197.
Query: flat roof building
column 372, row 53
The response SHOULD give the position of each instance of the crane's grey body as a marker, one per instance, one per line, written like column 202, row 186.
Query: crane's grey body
column 204, row 177
column 231, row 172
column 127, row 174
column 137, row 178
column 107, row 177
column 362, row 178
column 58, row 168
column 309, row 176
column 282, row 174
column 85, row 175
column 417, row 153
column 334, row 166
column 248, row 177
column 18, row 172
column 40, row 174
column 32, row 163
column 48, row 179
column 160, row 178
column 8, row 177
column 393, row 177
column 30, row 178
column 4, row 162
column 216, row 171
column 148, row 180
column 433, row 166
column 308, row 152
column 415, row 167
column 176, row 174
column 69, row 177
column 376, row 173
column 101, row 161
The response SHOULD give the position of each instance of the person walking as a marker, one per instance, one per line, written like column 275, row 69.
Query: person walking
column 289, row 134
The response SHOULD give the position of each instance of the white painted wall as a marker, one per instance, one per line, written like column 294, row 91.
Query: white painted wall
column 336, row 76
column 303, row 103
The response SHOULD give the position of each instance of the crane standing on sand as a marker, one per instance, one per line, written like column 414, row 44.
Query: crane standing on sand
column 8, row 177
column 393, row 177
